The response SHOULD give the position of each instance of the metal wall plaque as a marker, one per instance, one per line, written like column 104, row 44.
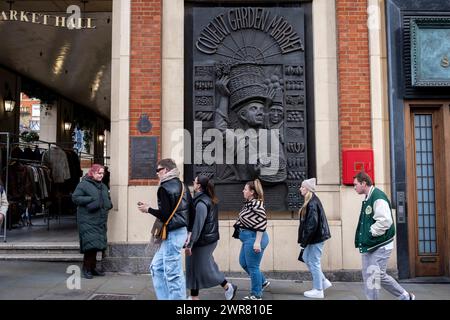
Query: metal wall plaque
column 144, row 156
column 430, row 52
column 144, row 124
column 248, row 74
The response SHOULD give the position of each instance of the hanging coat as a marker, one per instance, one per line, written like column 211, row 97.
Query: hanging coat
column 93, row 201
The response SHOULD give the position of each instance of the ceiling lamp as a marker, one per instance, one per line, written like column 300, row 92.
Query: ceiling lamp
column 8, row 102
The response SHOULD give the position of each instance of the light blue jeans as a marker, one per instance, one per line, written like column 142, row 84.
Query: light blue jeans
column 311, row 256
column 250, row 261
column 167, row 268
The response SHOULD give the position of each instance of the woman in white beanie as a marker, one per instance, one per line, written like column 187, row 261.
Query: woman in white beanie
column 312, row 233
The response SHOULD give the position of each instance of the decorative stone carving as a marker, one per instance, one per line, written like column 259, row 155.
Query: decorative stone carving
column 248, row 76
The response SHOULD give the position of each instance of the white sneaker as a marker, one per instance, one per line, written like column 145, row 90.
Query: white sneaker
column 231, row 291
column 314, row 293
column 251, row 297
column 265, row 285
column 326, row 284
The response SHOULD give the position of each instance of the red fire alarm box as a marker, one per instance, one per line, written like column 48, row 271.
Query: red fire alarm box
column 354, row 161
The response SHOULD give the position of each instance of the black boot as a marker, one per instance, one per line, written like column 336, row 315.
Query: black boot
column 97, row 272
column 87, row 274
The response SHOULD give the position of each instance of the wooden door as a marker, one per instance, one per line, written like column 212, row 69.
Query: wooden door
column 427, row 187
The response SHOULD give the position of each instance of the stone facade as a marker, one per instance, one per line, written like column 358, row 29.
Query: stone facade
column 349, row 103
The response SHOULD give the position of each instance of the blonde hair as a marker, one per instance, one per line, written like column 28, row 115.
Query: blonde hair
column 256, row 187
column 302, row 210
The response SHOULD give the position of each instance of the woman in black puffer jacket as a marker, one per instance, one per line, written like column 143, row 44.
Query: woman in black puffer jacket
column 312, row 233
column 93, row 201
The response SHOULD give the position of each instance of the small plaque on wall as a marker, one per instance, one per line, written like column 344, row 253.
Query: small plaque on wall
column 144, row 156
column 430, row 53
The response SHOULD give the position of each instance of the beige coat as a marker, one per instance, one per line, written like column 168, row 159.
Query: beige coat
column 3, row 203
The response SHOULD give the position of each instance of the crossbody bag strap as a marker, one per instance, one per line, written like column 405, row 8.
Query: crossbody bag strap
column 176, row 207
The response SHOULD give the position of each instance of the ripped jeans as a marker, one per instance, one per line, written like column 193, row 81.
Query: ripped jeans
column 167, row 268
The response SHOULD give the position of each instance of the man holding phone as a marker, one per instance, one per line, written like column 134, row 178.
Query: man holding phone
column 166, row 267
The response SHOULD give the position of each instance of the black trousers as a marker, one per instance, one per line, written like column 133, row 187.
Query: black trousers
column 90, row 259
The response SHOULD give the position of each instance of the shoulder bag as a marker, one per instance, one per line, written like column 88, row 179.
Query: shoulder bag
column 159, row 229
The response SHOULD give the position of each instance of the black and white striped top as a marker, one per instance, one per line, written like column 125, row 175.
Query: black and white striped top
column 253, row 216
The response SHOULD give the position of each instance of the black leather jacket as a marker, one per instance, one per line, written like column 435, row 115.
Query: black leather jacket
column 172, row 188
column 210, row 231
column 314, row 225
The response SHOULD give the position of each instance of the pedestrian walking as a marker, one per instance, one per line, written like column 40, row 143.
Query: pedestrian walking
column 166, row 267
column 312, row 233
column 93, row 203
column 375, row 240
column 251, row 229
column 201, row 269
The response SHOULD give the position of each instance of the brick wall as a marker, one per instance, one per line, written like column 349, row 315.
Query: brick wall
column 145, row 69
column 353, row 74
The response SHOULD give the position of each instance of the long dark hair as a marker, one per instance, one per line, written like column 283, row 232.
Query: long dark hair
column 207, row 187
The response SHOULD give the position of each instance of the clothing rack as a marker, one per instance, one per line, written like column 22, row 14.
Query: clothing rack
column 65, row 146
column 12, row 142
column 51, row 200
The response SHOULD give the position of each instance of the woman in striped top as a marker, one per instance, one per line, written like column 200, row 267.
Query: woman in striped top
column 252, row 223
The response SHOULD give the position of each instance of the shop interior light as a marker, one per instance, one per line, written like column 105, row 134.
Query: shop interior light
column 8, row 102
column 67, row 125
column 101, row 137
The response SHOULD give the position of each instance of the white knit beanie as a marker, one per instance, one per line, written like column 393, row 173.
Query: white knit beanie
column 310, row 184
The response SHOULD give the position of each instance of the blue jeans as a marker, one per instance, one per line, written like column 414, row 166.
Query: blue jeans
column 312, row 255
column 167, row 268
column 250, row 261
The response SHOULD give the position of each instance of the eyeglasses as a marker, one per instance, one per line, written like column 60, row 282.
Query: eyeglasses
column 159, row 169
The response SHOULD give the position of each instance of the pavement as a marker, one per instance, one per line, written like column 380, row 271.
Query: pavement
column 27, row 280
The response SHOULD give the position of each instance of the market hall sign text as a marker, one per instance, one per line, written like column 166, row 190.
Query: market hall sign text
column 249, row 18
column 70, row 22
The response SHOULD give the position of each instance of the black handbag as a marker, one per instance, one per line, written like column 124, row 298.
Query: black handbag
column 236, row 232
column 300, row 256
column 159, row 229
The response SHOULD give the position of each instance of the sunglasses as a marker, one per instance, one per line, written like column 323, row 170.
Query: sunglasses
column 159, row 169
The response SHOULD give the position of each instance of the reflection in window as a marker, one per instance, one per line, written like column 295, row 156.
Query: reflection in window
column 78, row 141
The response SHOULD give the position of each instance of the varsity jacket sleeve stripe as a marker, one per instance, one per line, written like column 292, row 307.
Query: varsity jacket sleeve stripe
column 382, row 216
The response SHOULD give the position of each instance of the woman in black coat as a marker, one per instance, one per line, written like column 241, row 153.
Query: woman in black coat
column 93, row 201
column 312, row 233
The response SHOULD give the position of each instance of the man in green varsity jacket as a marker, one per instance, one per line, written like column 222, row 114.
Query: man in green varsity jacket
column 375, row 240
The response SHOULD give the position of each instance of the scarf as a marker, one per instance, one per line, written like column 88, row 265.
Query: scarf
column 174, row 173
